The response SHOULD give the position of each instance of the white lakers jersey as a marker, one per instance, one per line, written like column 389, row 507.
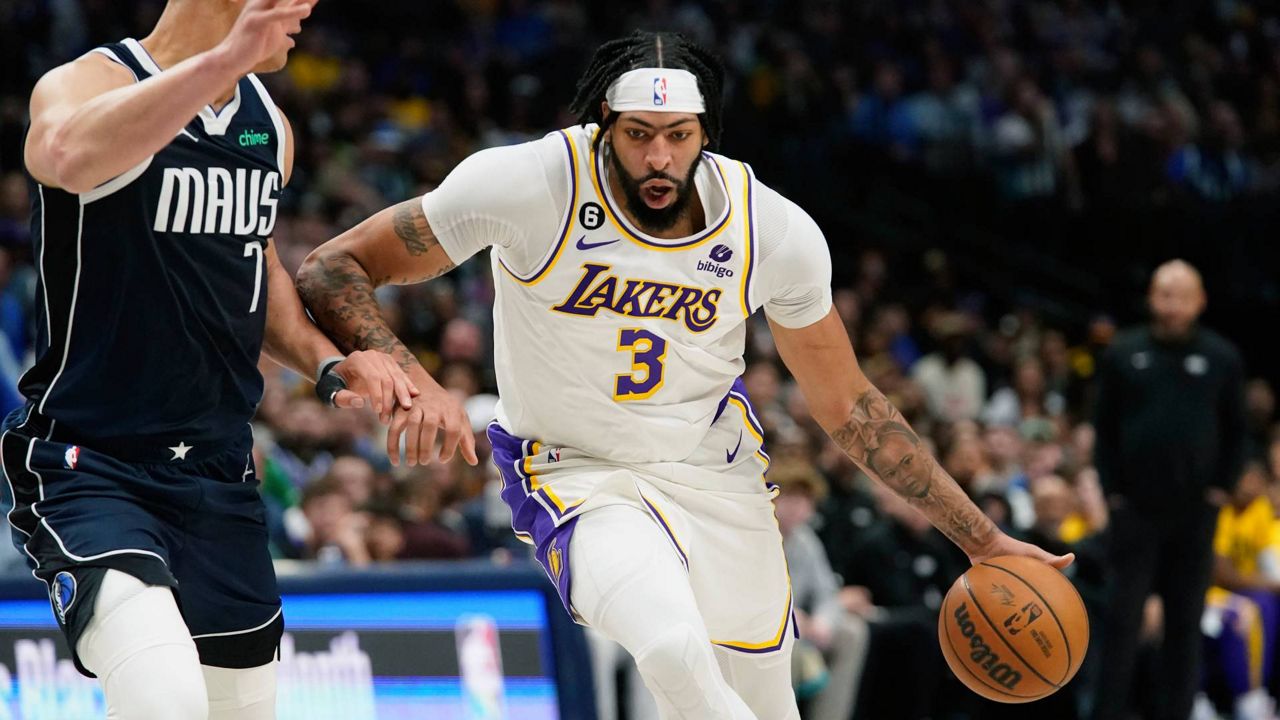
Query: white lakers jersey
column 620, row 344
column 607, row 340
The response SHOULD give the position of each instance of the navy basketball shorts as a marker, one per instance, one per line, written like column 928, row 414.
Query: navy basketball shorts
column 194, row 523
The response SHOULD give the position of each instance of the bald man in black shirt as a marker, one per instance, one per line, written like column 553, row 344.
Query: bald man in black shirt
column 1170, row 439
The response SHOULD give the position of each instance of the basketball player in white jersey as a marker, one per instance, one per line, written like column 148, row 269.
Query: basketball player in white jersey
column 627, row 259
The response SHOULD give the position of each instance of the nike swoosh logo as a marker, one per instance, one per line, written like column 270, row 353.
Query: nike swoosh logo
column 584, row 245
column 183, row 131
column 729, row 456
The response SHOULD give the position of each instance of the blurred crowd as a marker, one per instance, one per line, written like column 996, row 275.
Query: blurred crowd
column 1054, row 106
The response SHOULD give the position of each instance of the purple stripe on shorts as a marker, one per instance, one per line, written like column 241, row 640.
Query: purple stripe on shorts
column 663, row 524
column 528, row 516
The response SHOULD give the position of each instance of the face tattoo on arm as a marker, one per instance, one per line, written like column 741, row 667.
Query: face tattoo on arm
column 880, row 441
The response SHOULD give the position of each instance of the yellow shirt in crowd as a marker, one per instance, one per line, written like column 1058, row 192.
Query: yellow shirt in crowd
column 1243, row 534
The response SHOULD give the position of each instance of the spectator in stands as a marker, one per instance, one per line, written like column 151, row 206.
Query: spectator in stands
column 1031, row 156
column 356, row 477
column 953, row 383
column 1260, row 410
column 431, row 531
column 1170, row 433
column 384, row 535
column 1243, row 608
column 944, row 118
column 882, row 117
column 897, row 579
column 839, row 635
column 1216, row 168
column 335, row 530
column 1028, row 397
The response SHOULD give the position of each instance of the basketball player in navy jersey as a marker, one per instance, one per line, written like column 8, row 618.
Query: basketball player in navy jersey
column 157, row 167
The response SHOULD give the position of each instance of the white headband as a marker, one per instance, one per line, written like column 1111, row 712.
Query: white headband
column 656, row 90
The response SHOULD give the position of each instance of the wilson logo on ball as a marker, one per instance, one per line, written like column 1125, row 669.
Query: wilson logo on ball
column 982, row 654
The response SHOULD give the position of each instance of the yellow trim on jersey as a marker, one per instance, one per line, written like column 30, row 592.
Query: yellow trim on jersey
column 746, row 421
column 535, row 486
column 667, row 524
column 746, row 237
column 538, row 275
column 786, row 613
column 630, row 234
column 777, row 637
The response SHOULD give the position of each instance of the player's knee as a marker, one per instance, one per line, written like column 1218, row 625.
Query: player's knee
column 140, row 649
column 676, row 658
column 159, row 684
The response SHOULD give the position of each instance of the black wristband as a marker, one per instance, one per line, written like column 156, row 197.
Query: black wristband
column 329, row 385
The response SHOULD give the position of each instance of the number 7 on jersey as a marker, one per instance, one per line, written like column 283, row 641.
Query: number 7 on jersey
column 253, row 249
column 647, row 353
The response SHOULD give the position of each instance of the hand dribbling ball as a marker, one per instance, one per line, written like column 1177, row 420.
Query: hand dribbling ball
column 1013, row 629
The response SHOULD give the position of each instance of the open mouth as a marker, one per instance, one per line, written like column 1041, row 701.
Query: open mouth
column 657, row 192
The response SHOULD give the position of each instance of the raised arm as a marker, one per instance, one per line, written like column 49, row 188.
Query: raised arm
column 336, row 283
column 91, row 122
column 879, row 440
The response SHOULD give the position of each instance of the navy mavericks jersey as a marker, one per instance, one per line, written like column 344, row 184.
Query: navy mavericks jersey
column 153, row 292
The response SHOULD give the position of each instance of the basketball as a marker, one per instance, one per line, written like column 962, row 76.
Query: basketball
column 1013, row 629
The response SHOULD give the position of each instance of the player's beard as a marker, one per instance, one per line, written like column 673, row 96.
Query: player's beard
column 654, row 220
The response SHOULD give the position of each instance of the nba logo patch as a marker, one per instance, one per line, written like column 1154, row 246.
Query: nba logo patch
column 659, row 91
column 553, row 455
column 71, row 457
column 62, row 591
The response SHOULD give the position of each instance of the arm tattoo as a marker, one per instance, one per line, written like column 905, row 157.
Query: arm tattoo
column 879, row 440
column 411, row 227
column 339, row 291
column 339, row 294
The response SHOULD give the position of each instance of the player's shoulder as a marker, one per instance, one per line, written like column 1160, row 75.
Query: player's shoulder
column 779, row 216
column 547, row 152
column 87, row 76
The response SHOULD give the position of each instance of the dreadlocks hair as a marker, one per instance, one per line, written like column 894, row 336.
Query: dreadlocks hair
column 650, row 49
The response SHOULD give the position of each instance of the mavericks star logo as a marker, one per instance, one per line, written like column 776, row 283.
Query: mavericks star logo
column 62, row 592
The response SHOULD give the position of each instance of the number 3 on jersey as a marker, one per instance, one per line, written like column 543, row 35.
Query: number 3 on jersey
column 647, row 353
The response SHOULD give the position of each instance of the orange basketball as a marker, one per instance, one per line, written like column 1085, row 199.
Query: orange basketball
column 1013, row 629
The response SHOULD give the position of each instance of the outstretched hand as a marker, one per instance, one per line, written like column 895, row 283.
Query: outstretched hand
column 434, row 412
column 264, row 29
column 374, row 377
column 1005, row 545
